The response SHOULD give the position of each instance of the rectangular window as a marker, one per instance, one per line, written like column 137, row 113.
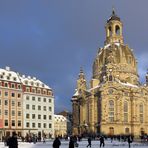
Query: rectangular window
column 44, row 125
column 19, row 123
column 0, row 112
column 6, row 93
column 27, row 124
column 39, row 125
column 27, row 97
column 50, row 117
column 6, row 102
column 39, row 99
column 39, row 116
column 13, row 122
column 19, row 95
column 27, row 106
column 19, row 86
column 0, row 102
column 13, row 94
column 12, row 86
column 44, row 117
column 44, row 99
column 19, row 113
column 33, row 107
column 44, row 108
column 13, row 112
column 33, row 116
column 27, row 116
column 49, row 100
column 6, row 112
column 33, row 98
column 13, row 103
column 39, row 107
column 6, row 122
column 50, row 108
column 38, row 91
column 50, row 125
column 19, row 104
column 33, row 125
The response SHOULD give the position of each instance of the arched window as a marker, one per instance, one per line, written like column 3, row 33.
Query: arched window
column 110, row 30
column 111, row 131
column 111, row 111
column 117, row 29
column 125, row 111
column 127, row 131
column 141, row 112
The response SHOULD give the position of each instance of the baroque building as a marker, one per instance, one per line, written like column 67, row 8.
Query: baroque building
column 115, row 102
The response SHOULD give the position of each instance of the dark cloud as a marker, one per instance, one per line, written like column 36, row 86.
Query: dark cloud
column 53, row 39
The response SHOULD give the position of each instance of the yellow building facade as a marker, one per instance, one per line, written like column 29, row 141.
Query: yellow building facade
column 115, row 102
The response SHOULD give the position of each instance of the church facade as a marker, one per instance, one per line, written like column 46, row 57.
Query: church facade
column 115, row 103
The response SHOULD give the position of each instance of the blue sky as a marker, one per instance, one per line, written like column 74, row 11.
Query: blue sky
column 52, row 39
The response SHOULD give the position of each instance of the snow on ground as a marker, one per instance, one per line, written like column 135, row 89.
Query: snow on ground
column 82, row 144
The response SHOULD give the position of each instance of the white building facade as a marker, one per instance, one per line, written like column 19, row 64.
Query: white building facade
column 60, row 126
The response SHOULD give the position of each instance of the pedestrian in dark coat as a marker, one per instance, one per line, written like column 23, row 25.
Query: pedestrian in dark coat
column 89, row 142
column 129, row 140
column 12, row 141
column 56, row 143
column 102, row 141
column 71, row 143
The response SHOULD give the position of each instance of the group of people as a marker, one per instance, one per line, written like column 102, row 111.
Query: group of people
column 13, row 143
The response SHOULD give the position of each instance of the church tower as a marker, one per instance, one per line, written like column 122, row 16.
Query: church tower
column 114, row 29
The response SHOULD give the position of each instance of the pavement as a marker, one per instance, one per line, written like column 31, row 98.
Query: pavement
column 82, row 144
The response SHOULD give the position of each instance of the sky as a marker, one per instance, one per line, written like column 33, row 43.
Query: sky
column 52, row 39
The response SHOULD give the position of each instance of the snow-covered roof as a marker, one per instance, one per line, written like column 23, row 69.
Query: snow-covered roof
column 127, row 84
column 32, row 81
column 8, row 75
column 76, row 93
column 59, row 118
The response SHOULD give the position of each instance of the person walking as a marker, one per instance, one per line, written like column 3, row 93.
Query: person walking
column 89, row 142
column 129, row 140
column 12, row 141
column 71, row 142
column 56, row 143
column 102, row 141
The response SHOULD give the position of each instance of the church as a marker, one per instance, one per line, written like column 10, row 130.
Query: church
column 115, row 102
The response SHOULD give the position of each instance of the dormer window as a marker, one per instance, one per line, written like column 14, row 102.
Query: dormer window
column 26, row 82
column 3, row 73
column 8, row 78
column 14, row 78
